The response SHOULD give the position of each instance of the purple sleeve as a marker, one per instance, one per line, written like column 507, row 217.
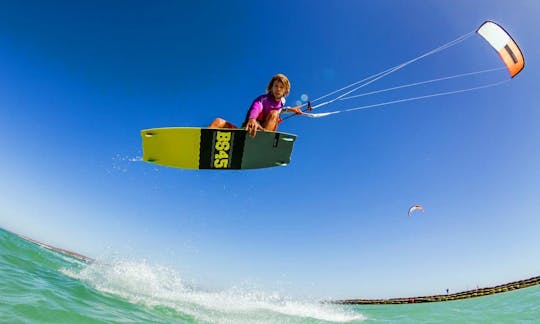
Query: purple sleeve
column 255, row 109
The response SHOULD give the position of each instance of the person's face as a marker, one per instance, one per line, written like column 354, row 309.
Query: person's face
column 278, row 89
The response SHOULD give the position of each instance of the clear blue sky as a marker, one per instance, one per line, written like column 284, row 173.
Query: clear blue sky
column 78, row 81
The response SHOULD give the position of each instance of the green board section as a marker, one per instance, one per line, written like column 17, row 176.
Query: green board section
column 220, row 149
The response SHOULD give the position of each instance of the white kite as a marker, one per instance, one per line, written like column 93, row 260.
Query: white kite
column 415, row 208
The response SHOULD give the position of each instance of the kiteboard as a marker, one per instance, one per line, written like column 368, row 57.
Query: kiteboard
column 217, row 149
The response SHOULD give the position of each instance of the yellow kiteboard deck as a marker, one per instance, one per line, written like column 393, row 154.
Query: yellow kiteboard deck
column 220, row 149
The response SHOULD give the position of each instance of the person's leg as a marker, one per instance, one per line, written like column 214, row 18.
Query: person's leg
column 217, row 123
column 221, row 123
column 272, row 121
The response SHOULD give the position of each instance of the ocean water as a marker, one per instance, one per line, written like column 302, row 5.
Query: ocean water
column 38, row 285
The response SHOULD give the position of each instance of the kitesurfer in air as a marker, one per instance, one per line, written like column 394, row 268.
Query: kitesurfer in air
column 263, row 114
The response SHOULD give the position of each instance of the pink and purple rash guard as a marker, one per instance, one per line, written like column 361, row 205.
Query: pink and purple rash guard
column 262, row 105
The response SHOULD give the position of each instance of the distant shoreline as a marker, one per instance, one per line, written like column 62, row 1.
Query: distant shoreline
column 479, row 292
column 50, row 247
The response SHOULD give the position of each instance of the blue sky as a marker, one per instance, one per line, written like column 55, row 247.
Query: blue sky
column 78, row 81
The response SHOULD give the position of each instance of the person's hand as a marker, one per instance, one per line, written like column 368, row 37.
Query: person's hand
column 297, row 110
column 252, row 126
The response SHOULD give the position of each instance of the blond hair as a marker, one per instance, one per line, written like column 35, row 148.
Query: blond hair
column 283, row 79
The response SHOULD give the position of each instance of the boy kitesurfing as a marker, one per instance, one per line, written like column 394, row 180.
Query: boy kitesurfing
column 264, row 112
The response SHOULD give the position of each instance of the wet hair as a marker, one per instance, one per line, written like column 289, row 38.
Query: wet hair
column 283, row 79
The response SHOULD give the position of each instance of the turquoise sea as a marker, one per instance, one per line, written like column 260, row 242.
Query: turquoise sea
column 39, row 285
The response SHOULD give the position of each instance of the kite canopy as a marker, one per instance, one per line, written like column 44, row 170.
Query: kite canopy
column 503, row 43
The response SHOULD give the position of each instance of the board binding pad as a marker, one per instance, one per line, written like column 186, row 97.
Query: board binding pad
column 217, row 149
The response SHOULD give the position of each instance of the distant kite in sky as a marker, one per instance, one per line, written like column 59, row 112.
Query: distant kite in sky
column 415, row 208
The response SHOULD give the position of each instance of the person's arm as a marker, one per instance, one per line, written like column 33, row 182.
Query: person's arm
column 255, row 110
column 297, row 110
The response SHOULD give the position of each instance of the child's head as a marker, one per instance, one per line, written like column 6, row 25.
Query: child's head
column 282, row 80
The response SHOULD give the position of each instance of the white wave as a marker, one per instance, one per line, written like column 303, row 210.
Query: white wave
column 154, row 285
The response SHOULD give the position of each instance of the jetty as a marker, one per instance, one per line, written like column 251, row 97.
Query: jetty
column 479, row 292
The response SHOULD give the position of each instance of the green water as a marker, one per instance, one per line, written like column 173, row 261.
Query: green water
column 43, row 286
